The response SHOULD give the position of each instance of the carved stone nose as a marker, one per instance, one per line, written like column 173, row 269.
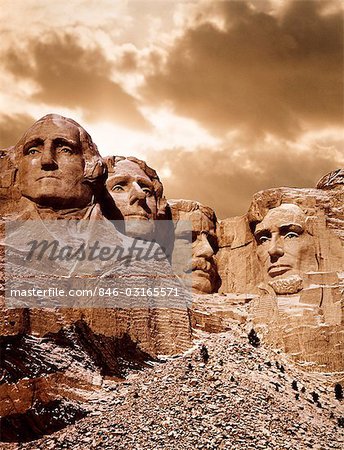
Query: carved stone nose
column 47, row 159
column 136, row 194
column 203, row 248
column 276, row 248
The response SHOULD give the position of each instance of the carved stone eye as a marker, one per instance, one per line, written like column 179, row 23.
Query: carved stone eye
column 291, row 235
column 66, row 150
column 32, row 151
column 263, row 239
column 147, row 191
column 117, row 188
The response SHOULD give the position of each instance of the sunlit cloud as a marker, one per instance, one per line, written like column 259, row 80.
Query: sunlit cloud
column 225, row 179
column 222, row 98
column 178, row 131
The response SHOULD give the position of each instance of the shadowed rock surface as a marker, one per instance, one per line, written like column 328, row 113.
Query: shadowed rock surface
column 44, row 381
column 242, row 398
column 300, row 308
column 76, row 375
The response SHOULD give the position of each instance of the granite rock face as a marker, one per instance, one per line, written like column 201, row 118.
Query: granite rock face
column 203, row 224
column 9, row 193
column 237, row 261
column 243, row 397
column 277, row 270
column 332, row 180
column 288, row 253
column 55, row 355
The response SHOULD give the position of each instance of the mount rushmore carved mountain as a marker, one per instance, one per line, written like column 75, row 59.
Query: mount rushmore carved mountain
column 274, row 275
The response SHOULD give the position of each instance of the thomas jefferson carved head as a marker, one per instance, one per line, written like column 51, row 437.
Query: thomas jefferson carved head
column 285, row 249
column 137, row 194
column 205, row 279
column 58, row 164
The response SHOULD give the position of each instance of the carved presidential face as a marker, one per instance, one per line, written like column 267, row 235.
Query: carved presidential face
column 204, row 245
column 51, row 165
column 133, row 193
column 284, row 248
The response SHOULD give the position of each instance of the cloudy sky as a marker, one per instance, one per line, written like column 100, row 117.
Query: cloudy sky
column 222, row 98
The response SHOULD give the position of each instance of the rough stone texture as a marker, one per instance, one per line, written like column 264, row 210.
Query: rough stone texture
column 67, row 365
column 242, row 398
column 157, row 328
column 53, row 355
column 236, row 259
column 303, row 314
column 215, row 313
column 60, row 364
column 332, row 180
column 311, row 334
column 152, row 330
column 9, row 193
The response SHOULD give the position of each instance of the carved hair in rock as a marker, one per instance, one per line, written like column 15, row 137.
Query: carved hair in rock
column 187, row 206
column 313, row 202
column 324, row 219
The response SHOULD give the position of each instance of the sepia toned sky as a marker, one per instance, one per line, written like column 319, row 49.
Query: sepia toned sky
column 222, row 98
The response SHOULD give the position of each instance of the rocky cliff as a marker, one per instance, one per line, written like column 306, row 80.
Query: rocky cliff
column 280, row 305
column 225, row 393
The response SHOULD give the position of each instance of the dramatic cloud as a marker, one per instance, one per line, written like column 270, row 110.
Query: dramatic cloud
column 223, row 98
column 255, row 71
column 226, row 179
column 71, row 76
column 12, row 128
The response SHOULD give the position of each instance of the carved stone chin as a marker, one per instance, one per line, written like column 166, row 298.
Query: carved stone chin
column 290, row 285
column 202, row 283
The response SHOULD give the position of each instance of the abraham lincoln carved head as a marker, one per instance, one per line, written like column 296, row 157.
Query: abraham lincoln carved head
column 285, row 248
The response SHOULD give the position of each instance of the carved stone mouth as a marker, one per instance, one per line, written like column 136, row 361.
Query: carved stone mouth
column 201, row 273
column 48, row 176
column 201, row 266
column 203, row 270
column 280, row 269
